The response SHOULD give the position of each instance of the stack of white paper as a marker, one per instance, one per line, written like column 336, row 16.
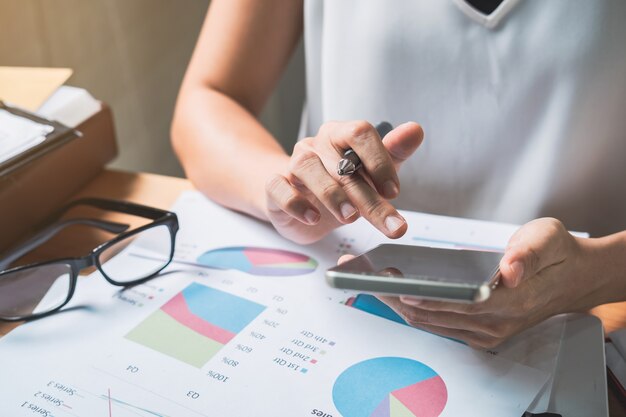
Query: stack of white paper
column 18, row 134
column 69, row 105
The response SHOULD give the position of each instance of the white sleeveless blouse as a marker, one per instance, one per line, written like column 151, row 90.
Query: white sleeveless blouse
column 524, row 111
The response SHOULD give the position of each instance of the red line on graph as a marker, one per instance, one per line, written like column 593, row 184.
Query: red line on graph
column 110, row 414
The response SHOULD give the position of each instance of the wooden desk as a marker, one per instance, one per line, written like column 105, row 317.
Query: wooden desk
column 160, row 191
column 149, row 189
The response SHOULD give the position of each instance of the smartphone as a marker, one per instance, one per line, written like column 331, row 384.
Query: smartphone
column 431, row 273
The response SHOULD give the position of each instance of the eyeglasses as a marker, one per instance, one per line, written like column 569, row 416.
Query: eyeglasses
column 39, row 289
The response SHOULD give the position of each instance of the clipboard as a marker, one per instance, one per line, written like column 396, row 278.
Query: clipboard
column 58, row 137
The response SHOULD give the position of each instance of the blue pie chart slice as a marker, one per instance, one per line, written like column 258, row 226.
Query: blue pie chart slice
column 390, row 387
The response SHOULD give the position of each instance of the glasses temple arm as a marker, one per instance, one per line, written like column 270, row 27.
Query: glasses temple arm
column 47, row 233
column 115, row 205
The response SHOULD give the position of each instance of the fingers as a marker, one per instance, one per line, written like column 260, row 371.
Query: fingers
column 394, row 303
column 363, row 139
column 452, row 320
column 310, row 172
column 479, row 331
column 535, row 246
column 344, row 258
column 403, row 141
column 534, row 263
column 501, row 299
column 312, row 193
column 347, row 197
column 286, row 203
column 381, row 161
column 445, row 306
column 473, row 339
column 378, row 211
column 482, row 324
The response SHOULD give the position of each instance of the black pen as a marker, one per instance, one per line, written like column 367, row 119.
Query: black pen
column 351, row 162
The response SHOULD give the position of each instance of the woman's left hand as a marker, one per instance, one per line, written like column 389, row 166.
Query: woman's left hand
column 544, row 271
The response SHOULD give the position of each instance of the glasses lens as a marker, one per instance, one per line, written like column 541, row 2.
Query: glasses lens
column 34, row 290
column 147, row 253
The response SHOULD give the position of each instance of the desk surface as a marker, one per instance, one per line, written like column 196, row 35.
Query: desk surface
column 149, row 189
column 160, row 191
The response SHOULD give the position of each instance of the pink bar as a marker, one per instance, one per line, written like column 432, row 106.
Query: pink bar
column 177, row 309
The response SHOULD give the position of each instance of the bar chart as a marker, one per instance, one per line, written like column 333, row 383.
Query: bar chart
column 195, row 324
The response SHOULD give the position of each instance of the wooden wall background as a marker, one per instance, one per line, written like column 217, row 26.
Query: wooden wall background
column 131, row 54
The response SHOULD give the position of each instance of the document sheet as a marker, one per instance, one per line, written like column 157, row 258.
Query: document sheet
column 18, row 134
column 243, row 324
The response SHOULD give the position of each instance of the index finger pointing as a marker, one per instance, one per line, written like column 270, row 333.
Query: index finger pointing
column 364, row 140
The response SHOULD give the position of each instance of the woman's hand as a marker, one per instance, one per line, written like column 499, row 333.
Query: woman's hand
column 544, row 271
column 311, row 199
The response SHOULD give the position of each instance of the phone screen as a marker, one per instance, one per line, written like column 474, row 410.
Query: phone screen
column 473, row 268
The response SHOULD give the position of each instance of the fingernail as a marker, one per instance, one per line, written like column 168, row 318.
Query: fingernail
column 518, row 271
column 411, row 301
column 390, row 189
column 347, row 210
column 311, row 216
column 393, row 223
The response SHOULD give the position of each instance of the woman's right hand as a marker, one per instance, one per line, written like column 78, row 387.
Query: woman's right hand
column 311, row 199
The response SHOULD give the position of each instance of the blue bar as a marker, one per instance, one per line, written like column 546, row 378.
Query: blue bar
column 220, row 308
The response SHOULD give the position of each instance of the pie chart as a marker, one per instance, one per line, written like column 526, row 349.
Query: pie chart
column 259, row 261
column 390, row 387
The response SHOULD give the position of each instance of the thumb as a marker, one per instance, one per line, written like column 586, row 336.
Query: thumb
column 402, row 142
column 534, row 247
column 344, row 259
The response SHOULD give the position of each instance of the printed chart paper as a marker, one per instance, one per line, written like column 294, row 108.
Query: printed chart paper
column 286, row 357
column 254, row 331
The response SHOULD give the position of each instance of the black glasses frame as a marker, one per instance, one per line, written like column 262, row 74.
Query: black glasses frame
column 159, row 217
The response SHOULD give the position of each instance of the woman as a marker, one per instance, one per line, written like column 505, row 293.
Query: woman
column 523, row 105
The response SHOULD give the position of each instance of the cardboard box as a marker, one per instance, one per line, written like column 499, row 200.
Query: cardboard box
column 36, row 189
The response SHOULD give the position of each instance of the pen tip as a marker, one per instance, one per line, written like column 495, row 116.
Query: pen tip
column 345, row 167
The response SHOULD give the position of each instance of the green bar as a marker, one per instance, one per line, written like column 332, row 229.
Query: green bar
column 164, row 334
